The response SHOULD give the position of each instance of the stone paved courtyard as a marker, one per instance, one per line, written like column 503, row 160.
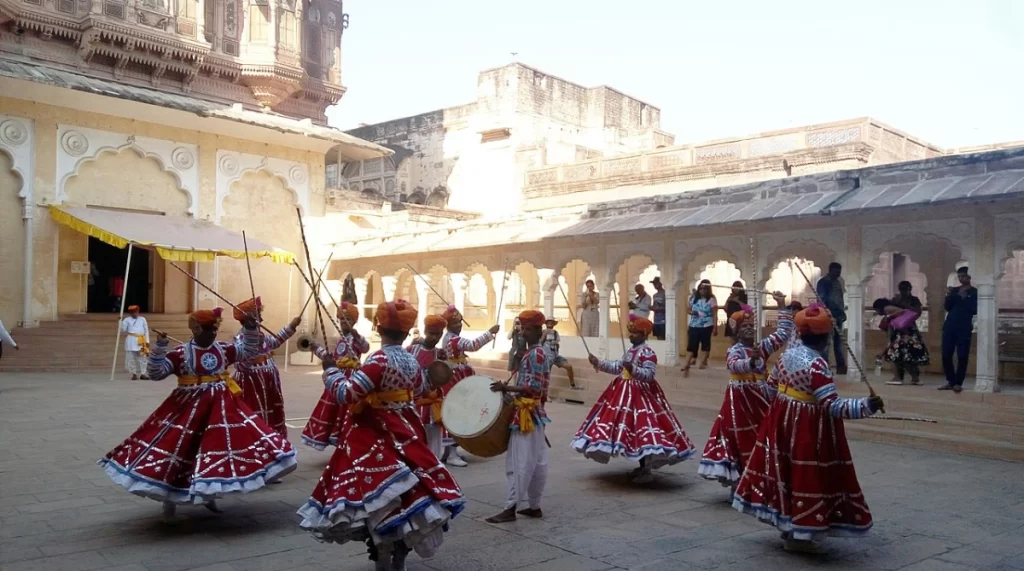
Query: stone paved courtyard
column 59, row 512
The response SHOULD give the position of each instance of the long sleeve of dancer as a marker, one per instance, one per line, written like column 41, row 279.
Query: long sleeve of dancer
column 246, row 346
column 470, row 345
column 778, row 339
column 320, row 352
column 360, row 384
column 738, row 362
column 270, row 342
column 771, row 384
column 159, row 366
column 645, row 365
column 610, row 367
column 359, row 343
column 825, row 394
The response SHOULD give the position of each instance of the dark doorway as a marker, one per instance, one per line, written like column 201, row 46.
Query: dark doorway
column 106, row 282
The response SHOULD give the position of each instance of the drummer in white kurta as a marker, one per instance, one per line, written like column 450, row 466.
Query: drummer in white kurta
column 135, row 329
column 526, row 462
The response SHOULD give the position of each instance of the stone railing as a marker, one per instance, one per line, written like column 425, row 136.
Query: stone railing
column 863, row 130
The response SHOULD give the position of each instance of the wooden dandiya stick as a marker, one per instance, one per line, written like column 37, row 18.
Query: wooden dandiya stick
column 248, row 266
column 158, row 332
column 221, row 297
column 341, row 315
column 907, row 418
column 309, row 263
column 572, row 315
column 839, row 332
column 310, row 298
column 319, row 302
column 439, row 296
column 501, row 299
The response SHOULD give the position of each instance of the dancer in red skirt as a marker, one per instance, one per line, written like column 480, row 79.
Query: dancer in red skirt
column 383, row 484
column 202, row 441
column 455, row 348
column 632, row 418
column 429, row 404
column 746, row 401
column 800, row 476
column 328, row 416
column 258, row 376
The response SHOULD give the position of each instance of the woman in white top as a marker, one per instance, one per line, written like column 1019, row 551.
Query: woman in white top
column 5, row 338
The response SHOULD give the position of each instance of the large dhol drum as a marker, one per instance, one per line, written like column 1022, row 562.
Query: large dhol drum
column 478, row 418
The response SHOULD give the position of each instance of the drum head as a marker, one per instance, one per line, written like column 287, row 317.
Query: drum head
column 471, row 408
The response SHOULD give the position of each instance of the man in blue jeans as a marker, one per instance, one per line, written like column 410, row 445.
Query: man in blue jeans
column 831, row 292
column 961, row 307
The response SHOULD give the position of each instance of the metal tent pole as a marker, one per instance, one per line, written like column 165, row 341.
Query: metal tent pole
column 124, row 290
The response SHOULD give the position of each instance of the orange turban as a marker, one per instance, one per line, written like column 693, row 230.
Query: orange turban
column 247, row 306
column 531, row 317
column 396, row 315
column 450, row 313
column 435, row 323
column 737, row 317
column 132, row 308
column 349, row 312
column 206, row 317
column 639, row 324
column 814, row 320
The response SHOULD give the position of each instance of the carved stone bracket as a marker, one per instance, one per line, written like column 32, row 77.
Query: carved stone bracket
column 231, row 166
column 79, row 145
column 17, row 141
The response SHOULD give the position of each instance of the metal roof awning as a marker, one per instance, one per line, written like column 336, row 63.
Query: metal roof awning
column 175, row 238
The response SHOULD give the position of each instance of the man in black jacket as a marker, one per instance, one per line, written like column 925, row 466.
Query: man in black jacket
column 961, row 307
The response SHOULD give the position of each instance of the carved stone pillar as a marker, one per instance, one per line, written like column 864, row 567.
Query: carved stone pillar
column 423, row 295
column 604, row 312
column 671, row 327
column 855, row 328
column 987, row 364
column 547, row 286
column 498, row 283
column 458, row 283
column 388, row 285
column 361, row 286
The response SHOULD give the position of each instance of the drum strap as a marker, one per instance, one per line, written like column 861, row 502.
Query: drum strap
column 193, row 380
column 433, row 400
column 383, row 399
column 525, row 407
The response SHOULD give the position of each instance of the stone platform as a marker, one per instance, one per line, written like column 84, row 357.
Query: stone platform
column 59, row 512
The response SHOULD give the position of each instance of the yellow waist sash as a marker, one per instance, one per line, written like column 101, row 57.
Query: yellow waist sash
column 193, row 380
column 458, row 360
column 797, row 394
column 261, row 359
column 382, row 400
column 347, row 363
column 143, row 346
column 433, row 399
column 525, row 407
column 745, row 377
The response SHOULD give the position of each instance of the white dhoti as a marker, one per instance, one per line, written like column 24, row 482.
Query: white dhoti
column 589, row 322
column 434, row 440
column 135, row 362
column 526, row 466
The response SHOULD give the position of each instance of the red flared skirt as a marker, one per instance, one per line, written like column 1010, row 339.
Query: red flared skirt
column 261, row 392
column 734, row 433
column 324, row 425
column 633, row 419
column 200, row 443
column 383, row 483
column 800, row 476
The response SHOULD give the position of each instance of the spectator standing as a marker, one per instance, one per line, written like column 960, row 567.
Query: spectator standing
column 659, row 309
column 832, row 292
column 958, row 329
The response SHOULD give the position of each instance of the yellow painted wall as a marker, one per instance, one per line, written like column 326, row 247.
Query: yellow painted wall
column 12, row 244
column 104, row 182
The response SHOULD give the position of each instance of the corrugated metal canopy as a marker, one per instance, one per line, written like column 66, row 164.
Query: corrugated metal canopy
column 988, row 185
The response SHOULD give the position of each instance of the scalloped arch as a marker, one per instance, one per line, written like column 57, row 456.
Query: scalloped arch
column 139, row 152
column 914, row 244
column 698, row 260
column 804, row 248
column 296, row 198
column 616, row 263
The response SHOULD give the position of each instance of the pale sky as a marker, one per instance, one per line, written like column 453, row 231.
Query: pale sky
column 949, row 72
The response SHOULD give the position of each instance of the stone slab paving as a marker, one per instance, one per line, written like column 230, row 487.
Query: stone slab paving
column 59, row 512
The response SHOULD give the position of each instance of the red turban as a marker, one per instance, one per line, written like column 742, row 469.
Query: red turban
column 435, row 323
column 348, row 312
column 247, row 306
column 746, row 312
column 206, row 317
column 639, row 324
column 132, row 308
column 814, row 320
column 450, row 313
column 531, row 317
column 396, row 315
